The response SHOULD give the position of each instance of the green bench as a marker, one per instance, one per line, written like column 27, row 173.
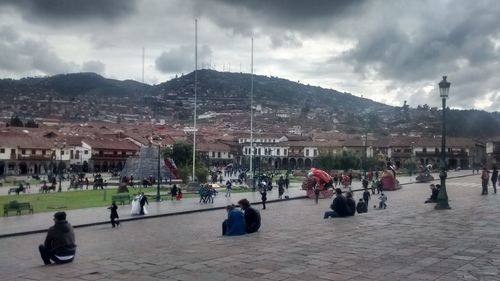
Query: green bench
column 17, row 206
column 121, row 198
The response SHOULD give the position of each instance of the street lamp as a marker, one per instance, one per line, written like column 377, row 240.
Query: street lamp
column 442, row 200
column 158, row 198
column 59, row 168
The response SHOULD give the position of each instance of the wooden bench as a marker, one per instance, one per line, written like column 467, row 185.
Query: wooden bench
column 17, row 206
column 121, row 198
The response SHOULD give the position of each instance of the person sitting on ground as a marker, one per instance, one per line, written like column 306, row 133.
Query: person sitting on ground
column 252, row 216
column 235, row 222
column 434, row 194
column 339, row 206
column 361, row 207
column 351, row 203
column 59, row 245
column 173, row 192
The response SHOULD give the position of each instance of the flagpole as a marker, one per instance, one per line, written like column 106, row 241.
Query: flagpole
column 251, row 117
column 195, row 91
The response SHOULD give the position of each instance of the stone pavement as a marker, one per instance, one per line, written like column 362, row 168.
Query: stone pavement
column 408, row 241
column 37, row 222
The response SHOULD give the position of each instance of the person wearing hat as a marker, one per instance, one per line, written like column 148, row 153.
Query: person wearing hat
column 59, row 245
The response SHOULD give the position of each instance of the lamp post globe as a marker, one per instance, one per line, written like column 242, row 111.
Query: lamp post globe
column 442, row 200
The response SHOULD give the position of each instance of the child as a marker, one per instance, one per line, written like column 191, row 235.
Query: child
column 179, row 194
column 382, row 199
column 114, row 215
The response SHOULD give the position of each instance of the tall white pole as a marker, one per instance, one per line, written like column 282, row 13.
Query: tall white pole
column 251, row 113
column 195, row 90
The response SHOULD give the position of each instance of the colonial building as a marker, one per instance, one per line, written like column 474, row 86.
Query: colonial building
column 109, row 154
column 22, row 153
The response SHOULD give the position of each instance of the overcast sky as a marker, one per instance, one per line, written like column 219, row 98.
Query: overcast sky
column 388, row 51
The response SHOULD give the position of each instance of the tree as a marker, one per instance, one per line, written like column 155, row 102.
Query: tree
column 344, row 161
column 184, row 173
column 31, row 124
column 181, row 153
column 16, row 122
column 201, row 174
column 411, row 166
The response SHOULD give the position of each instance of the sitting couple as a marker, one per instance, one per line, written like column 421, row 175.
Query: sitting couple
column 241, row 222
column 341, row 206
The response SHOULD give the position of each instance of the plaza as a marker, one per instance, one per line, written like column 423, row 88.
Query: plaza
column 407, row 241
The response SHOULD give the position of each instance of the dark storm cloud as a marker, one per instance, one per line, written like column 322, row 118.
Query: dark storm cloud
column 457, row 41
column 94, row 66
column 51, row 11
column 278, row 16
column 25, row 55
column 181, row 59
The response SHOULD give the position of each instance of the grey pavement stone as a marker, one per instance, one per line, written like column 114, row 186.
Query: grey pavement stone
column 407, row 241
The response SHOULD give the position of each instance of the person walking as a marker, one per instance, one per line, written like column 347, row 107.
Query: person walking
column 59, row 245
column 485, row 177
column 281, row 189
column 263, row 197
column 316, row 193
column 366, row 197
column 143, row 200
column 114, row 215
column 494, row 178
column 229, row 188
column 383, row 199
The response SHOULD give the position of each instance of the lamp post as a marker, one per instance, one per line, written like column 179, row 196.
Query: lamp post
column 158, row 198
column 59, row 169
column 442, row 200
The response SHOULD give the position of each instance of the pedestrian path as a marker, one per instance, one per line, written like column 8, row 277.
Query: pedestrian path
column 409, row 240
column 82, row 217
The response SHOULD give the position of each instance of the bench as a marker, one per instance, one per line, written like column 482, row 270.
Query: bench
column 17, row 206
column 121, row 198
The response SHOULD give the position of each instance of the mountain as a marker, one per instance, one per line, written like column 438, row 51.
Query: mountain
column 268, row 91
column 223, row 100
column 73, row 85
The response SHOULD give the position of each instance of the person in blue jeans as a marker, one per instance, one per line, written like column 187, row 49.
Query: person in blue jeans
column 235, row 222
column 339, row 206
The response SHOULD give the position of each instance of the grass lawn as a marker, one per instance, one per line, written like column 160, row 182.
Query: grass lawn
column 70, row 200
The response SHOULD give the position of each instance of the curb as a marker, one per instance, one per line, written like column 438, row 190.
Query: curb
column 23, row 233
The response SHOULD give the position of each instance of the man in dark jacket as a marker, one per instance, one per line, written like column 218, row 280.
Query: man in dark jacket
column 361, row 207
column 252, row 216
column 339, row 206
column 59, row 245
column 143, row 201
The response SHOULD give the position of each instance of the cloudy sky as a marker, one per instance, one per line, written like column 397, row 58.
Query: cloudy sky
column 388, row 51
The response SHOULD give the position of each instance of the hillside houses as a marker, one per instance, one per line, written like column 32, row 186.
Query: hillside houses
column 102, row 147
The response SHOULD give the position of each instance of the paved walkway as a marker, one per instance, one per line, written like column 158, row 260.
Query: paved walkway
column 38, row 222
column 407, row 241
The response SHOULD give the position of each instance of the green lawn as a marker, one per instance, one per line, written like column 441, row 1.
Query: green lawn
column 69, row 200
column 81, row 199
